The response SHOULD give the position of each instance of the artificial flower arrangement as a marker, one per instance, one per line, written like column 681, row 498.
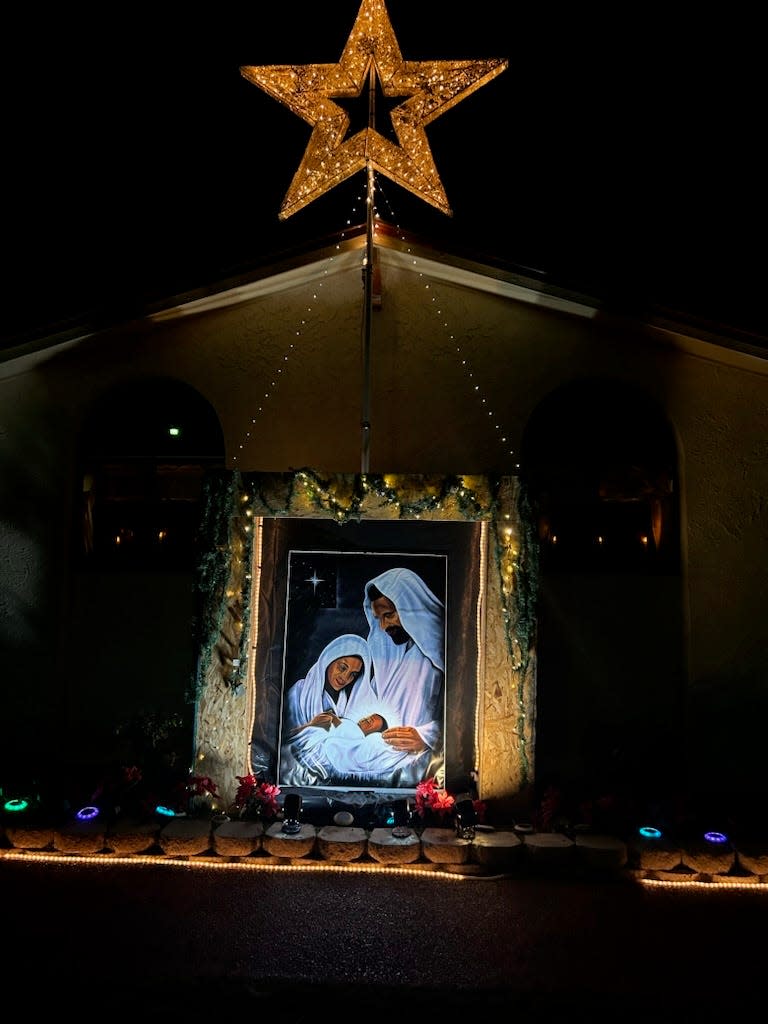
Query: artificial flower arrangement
column 201, row 792
column 255, row 798
column 201, row 785
column 433, row 802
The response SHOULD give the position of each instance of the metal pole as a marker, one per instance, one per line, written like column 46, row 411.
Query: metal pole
column 365, row 457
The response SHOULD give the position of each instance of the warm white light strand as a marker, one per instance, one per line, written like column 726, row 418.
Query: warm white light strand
column 254, row 577
column 473, row 386
column 716, row 885
column 276, row 375
column 214, row 862
column 480, row 634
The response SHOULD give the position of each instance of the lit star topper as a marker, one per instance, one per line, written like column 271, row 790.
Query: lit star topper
column 432, row 87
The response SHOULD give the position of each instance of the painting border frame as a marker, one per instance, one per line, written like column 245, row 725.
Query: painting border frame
column 505, row 721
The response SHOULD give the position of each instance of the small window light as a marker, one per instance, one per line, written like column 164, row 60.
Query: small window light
column 174, row 431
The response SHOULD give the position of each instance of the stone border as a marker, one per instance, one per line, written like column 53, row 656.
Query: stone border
column 497, row 852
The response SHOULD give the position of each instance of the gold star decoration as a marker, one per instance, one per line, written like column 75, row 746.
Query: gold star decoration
column 432, row 87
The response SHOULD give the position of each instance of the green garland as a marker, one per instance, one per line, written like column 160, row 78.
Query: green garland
column 345, row 498
column 527, row 589
column 221, row 491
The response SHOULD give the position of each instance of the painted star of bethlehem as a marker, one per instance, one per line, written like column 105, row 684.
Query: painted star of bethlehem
column 432, row 87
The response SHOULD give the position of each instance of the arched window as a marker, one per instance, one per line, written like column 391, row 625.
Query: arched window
column 144, row 449
column 600, row 462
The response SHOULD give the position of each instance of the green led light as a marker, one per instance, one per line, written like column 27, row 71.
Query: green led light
column 14, row 806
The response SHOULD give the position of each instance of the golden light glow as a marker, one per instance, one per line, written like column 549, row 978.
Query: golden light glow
column 253, row 639
column 480, row 638
column 247, row 864
column 250, row 864
column 715, row 885
column 432, row 87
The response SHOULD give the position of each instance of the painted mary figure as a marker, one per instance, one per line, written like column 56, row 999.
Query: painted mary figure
column 337, row 685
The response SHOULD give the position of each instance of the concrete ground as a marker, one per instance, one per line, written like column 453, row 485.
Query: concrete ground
column 160, row 940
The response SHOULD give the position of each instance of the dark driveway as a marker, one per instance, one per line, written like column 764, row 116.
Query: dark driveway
column 162, row 940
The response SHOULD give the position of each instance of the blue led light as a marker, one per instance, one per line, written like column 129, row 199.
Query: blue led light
column 649, row 832
column 87, row 813
column 715, row 837
column 166, row 812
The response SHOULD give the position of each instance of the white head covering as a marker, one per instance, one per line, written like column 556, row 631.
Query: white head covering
column 308, row 697
column 408, row 678
column 420, row 612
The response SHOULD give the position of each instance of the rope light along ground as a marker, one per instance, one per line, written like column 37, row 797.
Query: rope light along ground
column 426, row 871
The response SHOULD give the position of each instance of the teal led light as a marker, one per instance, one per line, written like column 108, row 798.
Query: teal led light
column 649, row 832
column 166, row 812
column 14, row 806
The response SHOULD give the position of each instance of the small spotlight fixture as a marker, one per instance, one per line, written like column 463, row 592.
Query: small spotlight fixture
column 401, row 815
column 466, row 818
column 291, row 812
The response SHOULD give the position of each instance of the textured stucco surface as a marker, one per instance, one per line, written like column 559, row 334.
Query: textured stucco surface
column 452, row 358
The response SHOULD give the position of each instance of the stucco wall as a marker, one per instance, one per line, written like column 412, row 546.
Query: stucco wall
column 454, row 358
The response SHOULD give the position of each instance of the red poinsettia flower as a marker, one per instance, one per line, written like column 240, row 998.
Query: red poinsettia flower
column 424, row 796
column 201, row 784
column 251, row 791
column 245, row 789
column 442, row 802
column 268, row 795
column 430, row 798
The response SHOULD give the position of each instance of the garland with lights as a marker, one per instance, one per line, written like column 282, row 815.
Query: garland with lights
column 350, row 498
column 219, row 526
column 524, row 594
column 232, row 499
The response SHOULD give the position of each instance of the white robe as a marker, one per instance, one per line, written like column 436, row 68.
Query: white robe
column 344, row 752
column 408, row 678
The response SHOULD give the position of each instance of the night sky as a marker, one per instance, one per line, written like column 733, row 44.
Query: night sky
column 620, row 154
